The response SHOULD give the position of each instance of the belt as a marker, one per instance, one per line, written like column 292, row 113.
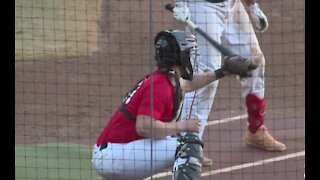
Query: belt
column 216, row 1
column 103, row 146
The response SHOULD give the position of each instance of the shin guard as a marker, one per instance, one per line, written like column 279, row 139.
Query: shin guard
column 256, row 113
column 190, row 150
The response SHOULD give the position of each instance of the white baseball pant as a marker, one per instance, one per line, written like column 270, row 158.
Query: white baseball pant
column 228, row 23
column 135, row 160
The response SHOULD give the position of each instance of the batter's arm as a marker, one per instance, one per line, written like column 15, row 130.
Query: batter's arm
column 199, row 81
column 151, row 128
column 237, row 65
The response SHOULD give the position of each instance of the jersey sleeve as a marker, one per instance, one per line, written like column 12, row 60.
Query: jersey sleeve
column 161, row 95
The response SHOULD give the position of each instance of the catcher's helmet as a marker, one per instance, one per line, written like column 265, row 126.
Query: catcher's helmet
column 175, row 47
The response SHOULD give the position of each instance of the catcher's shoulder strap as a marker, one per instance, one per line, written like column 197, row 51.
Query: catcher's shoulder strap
column 127, row 98
column 124, row 110
column 177, row 99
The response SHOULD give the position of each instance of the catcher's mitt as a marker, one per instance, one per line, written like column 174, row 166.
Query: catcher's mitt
column 239, row 65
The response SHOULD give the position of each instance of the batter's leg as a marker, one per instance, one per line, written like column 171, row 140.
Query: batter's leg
column 211, row 18
column 241, row 39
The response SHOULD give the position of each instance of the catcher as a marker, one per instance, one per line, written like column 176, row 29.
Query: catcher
column 146, row 135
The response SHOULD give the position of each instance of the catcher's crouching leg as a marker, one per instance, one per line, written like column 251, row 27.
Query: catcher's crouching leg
column 189, row 154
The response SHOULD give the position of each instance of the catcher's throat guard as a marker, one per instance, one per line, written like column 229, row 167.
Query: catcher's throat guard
column 175, row 47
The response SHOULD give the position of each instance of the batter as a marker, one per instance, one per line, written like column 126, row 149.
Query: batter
column 228, row 22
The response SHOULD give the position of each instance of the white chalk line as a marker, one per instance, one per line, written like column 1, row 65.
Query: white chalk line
column 229, row 119
column 241, row 166
column 256, row 163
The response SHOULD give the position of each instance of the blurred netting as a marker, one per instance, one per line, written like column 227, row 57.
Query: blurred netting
column 75, row 59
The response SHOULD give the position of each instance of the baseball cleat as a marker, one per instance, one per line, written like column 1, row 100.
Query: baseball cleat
column 263, row 140
column 206, row 161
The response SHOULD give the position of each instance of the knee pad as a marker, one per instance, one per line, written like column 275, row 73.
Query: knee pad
column 189, row 148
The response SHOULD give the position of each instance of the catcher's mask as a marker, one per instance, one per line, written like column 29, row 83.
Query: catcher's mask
column 175, row 47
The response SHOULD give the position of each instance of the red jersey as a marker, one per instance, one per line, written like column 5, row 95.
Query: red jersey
column 155, row 91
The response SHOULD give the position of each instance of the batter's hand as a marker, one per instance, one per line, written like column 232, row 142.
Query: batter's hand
column 181, row 11
column 240, row 66
column 259, row 19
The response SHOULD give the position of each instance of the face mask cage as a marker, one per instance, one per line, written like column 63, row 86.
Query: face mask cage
column 183, row 48
column 189, row 54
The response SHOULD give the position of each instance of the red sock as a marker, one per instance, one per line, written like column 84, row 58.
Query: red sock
column 255, row 108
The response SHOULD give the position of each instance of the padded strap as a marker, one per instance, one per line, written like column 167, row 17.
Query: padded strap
column 125, row 112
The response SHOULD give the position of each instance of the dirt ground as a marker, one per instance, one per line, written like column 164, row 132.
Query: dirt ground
column 70, row 100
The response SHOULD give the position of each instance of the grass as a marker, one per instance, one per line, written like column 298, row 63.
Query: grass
column 53, row 161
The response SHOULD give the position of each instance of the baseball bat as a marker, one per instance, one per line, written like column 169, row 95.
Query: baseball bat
column 225, row 51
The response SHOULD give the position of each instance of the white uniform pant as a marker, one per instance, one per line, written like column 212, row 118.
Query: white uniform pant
column 135, row 160
column 228, row 23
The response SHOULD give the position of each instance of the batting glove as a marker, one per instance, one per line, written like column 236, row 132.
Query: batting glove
column 259, row 19
column 181, row 11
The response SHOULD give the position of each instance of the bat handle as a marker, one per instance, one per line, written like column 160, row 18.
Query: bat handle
column 169, row 7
